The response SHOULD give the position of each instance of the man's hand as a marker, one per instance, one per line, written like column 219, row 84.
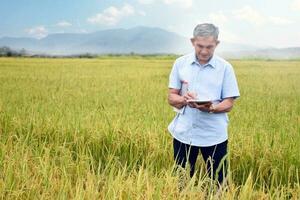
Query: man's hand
column 189, row 96
column 175, row 99
column 202, row 107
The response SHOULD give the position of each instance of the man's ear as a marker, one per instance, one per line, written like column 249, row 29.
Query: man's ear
column 192, row 40
column 217, row 42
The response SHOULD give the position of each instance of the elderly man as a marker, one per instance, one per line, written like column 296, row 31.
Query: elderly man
column 202, row 89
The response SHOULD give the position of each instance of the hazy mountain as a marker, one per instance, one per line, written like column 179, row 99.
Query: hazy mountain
column 142, row 40
column 269, row 53
column 19, row 43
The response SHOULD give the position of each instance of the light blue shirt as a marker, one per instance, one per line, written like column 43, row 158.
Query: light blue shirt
column 214, row 81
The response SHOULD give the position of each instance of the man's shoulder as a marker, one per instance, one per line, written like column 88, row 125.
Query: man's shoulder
column 221, row 62
column 187, row 58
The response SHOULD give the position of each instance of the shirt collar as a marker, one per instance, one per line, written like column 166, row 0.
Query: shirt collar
column 211, row 62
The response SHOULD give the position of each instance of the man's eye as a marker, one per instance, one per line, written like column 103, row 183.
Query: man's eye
column 203, row 47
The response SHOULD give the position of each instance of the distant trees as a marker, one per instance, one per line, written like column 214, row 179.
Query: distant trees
column 8, row 52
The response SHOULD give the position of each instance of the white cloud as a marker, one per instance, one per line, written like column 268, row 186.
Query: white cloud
column 83, row 31
column 295, row 5
column 279, row 20
column 254, row 17
column 180, row 3
column 61, row 31
column 146, row 1
column 183, row 3
column 218, row 18
column 112, row 15
column 37, row 32
column 221, row 20
column 63, row 24
column 142, row 13
column 250, row 15
column 228, row 36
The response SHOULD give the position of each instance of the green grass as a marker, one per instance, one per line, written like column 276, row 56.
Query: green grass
column 97, row 129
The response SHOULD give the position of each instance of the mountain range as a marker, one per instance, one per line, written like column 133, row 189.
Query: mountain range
column 139, row 40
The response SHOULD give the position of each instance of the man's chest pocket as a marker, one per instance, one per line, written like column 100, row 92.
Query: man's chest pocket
column 208, row 86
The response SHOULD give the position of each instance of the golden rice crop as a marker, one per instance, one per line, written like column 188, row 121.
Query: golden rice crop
column 96, row 129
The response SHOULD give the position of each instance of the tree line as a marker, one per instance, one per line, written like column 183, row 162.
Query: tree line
column 8, row 52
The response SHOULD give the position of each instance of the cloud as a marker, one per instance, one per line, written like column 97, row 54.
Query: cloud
column 254, row 17
column 280, row 20
column 250, row 15
column 228, row 36
column 37, row 32
column 180, row 3
column 63, row 24
column 82, row 31
column 218, row 18
column 183, row 3
column 221, row 20
column 295, row 5
column 112, row 15
column 141, row 12
column 146, row 1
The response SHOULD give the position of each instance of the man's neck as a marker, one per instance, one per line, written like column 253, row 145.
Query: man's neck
column 204, row 62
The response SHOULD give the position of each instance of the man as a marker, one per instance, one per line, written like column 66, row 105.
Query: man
column 209, row 79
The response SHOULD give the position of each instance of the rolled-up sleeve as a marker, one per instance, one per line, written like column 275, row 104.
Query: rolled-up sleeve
column 230, row 85
column 174, row 80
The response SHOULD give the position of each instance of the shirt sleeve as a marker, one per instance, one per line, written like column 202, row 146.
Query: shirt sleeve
column 230, row 86
column 174, row 80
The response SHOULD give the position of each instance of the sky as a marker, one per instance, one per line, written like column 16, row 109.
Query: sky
column 265, row 23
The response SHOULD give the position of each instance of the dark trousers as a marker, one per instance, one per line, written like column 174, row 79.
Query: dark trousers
column 212, row 155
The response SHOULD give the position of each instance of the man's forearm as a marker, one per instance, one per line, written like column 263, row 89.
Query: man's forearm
column 224, row 106
column 176, row 100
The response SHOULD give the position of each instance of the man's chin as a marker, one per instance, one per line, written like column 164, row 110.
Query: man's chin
column 204, row 59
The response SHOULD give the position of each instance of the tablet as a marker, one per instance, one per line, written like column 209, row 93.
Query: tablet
column 199, row 102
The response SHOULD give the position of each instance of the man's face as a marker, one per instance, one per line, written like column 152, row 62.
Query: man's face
column 204, row 47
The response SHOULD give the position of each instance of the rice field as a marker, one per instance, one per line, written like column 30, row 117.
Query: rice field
column 97, row 129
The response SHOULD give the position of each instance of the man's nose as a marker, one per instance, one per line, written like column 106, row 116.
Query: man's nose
column 204, row 51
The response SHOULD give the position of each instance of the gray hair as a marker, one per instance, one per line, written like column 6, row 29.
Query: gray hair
column 205, row 30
